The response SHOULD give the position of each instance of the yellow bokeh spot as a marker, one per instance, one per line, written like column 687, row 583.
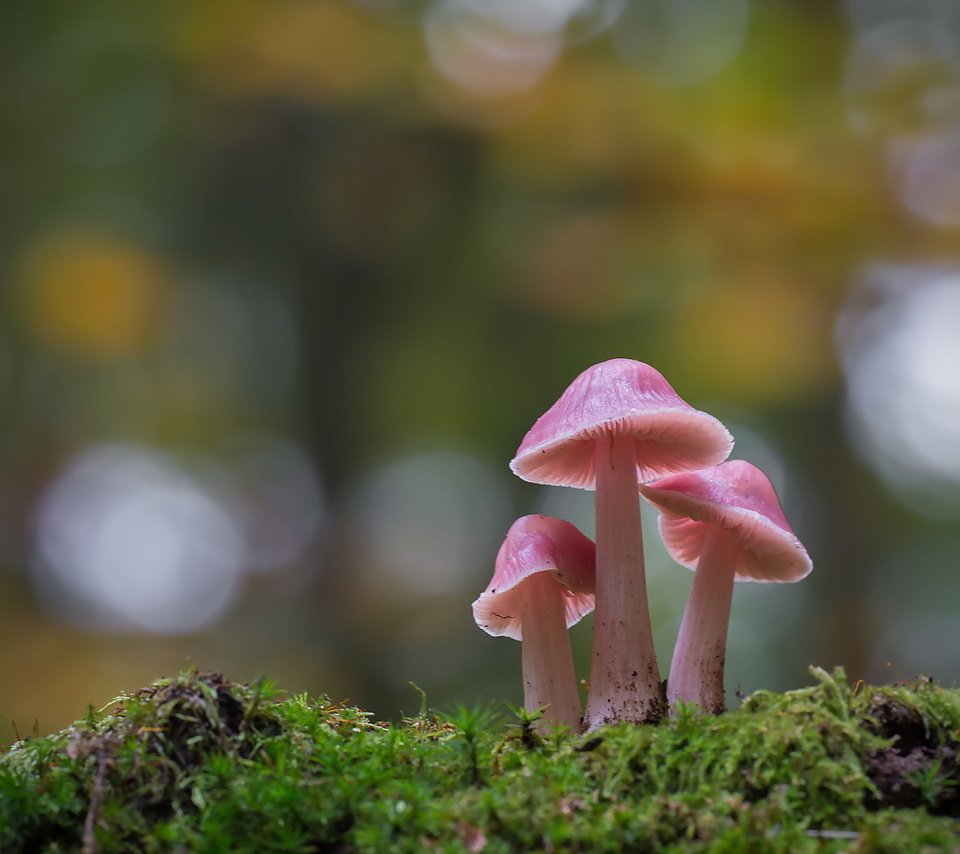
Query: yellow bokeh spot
column 765, row 340
column 315, row 51
column 91, row 296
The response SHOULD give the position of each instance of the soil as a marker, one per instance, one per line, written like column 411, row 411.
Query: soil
column 920, row 767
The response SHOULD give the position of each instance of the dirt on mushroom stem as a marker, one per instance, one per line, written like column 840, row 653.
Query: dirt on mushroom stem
column 652, row 712
column 625, row 679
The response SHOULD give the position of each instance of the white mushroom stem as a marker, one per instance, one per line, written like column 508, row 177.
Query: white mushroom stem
column 624, row 678
column 696, row 672
column 548, row 676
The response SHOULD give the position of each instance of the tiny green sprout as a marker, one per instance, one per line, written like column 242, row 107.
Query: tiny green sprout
column 263, row 690
column 932, row 781
column 471, row 722
column 422, row 714
column 527, row 719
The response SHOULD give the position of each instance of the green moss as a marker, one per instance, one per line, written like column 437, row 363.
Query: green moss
column 200, row 764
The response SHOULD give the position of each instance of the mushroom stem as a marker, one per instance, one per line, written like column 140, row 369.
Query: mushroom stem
column 549, row 680
column 696, row 672
column 624, row 678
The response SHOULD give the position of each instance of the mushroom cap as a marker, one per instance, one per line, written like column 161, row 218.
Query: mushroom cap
column 625, row 397
column 537, row 544
column 739, row 498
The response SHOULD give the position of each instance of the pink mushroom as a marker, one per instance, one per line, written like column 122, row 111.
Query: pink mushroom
column 542, row 584
column 617, row 424
column 726, row 523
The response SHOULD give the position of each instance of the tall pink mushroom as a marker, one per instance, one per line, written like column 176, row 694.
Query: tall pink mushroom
column 542, row 584
column 726, row 523
column 619, row 423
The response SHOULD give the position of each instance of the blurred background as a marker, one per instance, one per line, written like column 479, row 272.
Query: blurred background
column 285, row 283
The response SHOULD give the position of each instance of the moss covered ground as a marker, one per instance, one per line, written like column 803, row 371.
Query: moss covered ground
column 197, row 763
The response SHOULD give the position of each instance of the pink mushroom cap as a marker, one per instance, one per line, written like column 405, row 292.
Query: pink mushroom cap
column 738, row 498
column 537, row 544
column 619, row 396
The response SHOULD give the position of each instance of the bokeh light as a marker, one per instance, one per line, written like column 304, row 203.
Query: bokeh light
column 276, row 499
column 424, row 523
column 482, row 54
column 685, row 41
column 897, row 74
column 927, row 172
column 92, row 296
column 901, row 356
column 127, row 540
column 902, row 82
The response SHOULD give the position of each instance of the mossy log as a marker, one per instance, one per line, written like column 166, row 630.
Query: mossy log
column 198, row 763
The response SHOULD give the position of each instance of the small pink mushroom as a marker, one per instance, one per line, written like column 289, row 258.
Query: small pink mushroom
column 542, row 584
column 617, row 424
column 726, row 523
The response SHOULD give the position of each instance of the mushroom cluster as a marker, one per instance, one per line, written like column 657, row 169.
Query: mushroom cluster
column 621, row 430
